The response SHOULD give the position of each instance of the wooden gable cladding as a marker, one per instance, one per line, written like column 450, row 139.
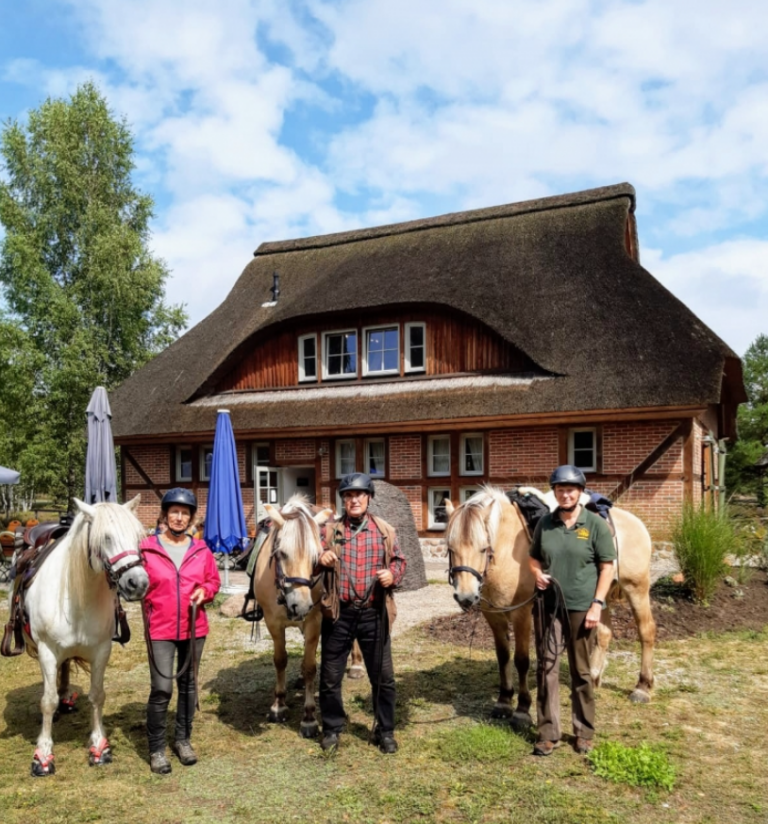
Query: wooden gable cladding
column 455, row 344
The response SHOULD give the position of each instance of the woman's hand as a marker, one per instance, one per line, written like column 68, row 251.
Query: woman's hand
column 198, row 596
column 328, row 558
column 542, row 580
column 592, row 619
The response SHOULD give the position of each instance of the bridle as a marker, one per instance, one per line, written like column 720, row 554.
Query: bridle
column 109, row 564
column 452, row 570
column 282, row 581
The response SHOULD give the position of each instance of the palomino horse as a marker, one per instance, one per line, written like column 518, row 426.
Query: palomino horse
column 634, row 580
column 71, row 605
column 289, row 594
column 488, row 555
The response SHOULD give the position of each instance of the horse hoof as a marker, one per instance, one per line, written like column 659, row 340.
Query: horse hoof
column 95, row 760
column 39, row 770
column 355, row 673
column 309, row 729
column 67, row 705
column 521, row 721
column 278, row 716
column 501, row 712
column 639, row 696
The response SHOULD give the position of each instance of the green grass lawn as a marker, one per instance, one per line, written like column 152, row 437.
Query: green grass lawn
column 708, row 717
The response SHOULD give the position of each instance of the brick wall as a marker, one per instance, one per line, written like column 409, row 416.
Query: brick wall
column 625, row 445
column 404, row 457
column 154, row 460
column 295, row 451
column 531, row 453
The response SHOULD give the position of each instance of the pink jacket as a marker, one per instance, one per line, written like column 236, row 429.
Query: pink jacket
column 166, row 603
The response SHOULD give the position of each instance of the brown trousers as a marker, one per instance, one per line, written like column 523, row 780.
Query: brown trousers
column 578, row 643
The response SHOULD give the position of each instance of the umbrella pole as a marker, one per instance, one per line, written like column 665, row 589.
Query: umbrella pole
column 226, row 574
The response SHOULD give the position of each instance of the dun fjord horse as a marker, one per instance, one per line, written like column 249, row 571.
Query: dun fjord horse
column 488, row 555
column 71, row 607
column 634, row 580
column 289, row 595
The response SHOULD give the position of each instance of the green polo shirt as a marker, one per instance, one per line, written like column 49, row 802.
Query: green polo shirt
column 571, row 556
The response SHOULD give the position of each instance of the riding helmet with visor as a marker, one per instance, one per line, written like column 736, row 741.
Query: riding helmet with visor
column 180, row 497
column 356, row 482
column 568, row 474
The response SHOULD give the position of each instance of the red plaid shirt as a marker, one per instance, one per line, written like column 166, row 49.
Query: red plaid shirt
column 362, row 556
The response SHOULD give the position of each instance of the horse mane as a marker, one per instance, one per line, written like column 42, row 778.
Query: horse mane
column 109, row 520
column 478, row 517
column 300, row 532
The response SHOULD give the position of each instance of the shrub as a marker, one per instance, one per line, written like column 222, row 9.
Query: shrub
column 641, row 766
column 702, row 538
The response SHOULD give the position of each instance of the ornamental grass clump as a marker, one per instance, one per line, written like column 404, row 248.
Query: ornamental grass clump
column 702, row 538
column 641, row 766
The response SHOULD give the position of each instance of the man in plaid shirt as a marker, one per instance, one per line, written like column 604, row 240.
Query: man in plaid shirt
column 362, row 551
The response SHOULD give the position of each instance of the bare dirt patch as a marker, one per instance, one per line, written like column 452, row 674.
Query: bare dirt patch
column 744, row 607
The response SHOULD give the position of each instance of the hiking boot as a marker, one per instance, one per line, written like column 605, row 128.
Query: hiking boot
column 385, row 741
column 329, row 742
column 186, row 754
column 545, row 747
column 583, row 745
column 159, row 763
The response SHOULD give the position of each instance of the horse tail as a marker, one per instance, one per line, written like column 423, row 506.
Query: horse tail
column 615, row 594
column 81, row 664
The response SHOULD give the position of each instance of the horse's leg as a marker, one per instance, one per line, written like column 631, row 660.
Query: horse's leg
column 99, row 751
column 521, row 621
column 640, row 602
column 598, row 660
column 356, row 669
column 66, row 699
column 278, row 712
column 42, row 762
column 500, row 628
column 309, row 727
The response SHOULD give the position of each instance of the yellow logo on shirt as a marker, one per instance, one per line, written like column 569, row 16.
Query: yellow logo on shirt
column 583, row 533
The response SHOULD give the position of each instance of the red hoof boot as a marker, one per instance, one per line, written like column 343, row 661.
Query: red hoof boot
column 42, row 765
column 100, row 753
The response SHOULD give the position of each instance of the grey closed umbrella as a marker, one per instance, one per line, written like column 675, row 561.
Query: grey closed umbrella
column 100, row 473
column 8, row 476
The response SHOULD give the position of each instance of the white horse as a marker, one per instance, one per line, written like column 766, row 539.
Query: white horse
column 71, row 606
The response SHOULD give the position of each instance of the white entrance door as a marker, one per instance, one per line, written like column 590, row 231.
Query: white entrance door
column 267, row 489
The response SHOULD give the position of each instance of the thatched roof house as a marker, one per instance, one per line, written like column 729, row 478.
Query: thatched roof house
column 532, row 314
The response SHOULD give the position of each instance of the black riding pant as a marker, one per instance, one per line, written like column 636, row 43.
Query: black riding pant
column 162, row 688
column 371, row 630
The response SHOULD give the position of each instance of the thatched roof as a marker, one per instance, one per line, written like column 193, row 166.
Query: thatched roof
column 552, row 277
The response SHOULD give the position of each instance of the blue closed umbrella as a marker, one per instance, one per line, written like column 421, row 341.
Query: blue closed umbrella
column 224, row 515
column 100, row 472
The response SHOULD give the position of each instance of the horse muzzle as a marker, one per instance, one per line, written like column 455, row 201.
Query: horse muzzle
column 133, row 584
column 298, row 603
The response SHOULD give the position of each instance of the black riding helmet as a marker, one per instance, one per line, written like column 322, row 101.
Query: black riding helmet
column 356, row 482
column 182, row 497
column 568, row 474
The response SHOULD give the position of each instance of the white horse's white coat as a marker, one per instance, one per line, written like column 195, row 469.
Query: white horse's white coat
column 71, row 609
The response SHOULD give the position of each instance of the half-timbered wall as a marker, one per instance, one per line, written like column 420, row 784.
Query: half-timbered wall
column 455, row 344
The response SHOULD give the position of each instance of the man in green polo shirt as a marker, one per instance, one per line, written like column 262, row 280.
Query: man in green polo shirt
column 573, row 547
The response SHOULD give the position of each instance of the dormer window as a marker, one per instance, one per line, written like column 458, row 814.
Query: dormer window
column 415, row 347
column 382, row 351
column 340, row 354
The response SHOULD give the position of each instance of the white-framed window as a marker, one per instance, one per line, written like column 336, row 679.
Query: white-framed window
column 582, row 449
column 308, row 358
column 375, row 457
column 206, row 459
column 345, row 458
column 381, row 350
column 340, row 354
column 260, row 453
column 471, row 455
column 438, row 516
column 415, row 347
column 438, row 455
column 183, row 463
column 466, row 492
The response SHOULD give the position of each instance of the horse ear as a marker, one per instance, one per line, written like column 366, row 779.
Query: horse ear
column 449, row 507
column 274, row 514
column 323, row 516
column 133, row 504
column 85, row 508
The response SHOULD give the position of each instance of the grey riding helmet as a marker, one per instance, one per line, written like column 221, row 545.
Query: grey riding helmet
column 181, row 497
column 356, row 482
column 568, row 474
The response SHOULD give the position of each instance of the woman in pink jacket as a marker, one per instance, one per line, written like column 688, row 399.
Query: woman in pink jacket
column 182, row 571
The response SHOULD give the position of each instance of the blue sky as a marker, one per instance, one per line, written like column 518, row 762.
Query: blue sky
column 271, row 119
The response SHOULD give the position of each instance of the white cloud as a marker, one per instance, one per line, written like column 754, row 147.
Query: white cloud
column 725, row 285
